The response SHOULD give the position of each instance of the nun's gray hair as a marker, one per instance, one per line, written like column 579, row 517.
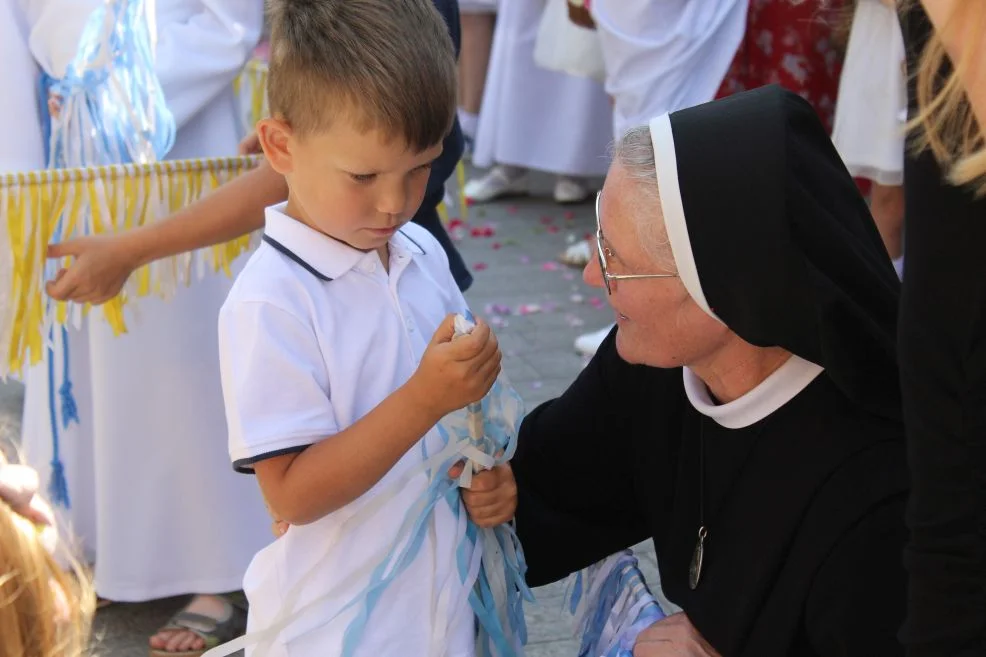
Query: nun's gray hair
column 635, row 152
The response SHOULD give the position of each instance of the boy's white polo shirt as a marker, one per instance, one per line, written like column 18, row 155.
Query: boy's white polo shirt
column 314, row 335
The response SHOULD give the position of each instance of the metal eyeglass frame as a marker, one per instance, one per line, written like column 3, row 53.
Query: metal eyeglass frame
column 601, row 253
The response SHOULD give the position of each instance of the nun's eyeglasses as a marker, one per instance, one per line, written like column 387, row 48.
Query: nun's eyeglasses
column 610, row 279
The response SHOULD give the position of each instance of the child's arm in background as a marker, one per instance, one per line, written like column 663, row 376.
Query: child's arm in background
column 103, row 263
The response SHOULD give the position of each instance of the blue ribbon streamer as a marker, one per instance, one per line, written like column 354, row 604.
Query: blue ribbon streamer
column 57, row 486
column 113, row 111
column 616, row 606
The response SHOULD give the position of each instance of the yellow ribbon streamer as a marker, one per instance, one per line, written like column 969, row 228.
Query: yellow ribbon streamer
column 55, row 205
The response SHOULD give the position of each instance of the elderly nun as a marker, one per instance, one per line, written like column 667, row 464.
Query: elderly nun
column 745, row 413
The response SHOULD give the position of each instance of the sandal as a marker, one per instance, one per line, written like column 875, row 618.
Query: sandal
column 213, row 631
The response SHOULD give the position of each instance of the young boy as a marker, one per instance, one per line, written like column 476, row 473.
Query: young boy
column 331, row 384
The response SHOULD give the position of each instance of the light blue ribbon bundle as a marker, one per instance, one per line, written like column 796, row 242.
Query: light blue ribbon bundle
column 611, row 605
column 491, row 427
column 111, row 111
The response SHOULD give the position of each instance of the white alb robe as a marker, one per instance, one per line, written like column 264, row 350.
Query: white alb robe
column 535, row 118
column 665, row 56
column 154, row 500
column 22, row 147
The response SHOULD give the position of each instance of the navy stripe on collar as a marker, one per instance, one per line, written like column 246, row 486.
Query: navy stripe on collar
column 294, row 256
column 413, row 241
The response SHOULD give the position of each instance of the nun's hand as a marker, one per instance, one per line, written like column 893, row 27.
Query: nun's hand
column 492, row 498
column 673, row 636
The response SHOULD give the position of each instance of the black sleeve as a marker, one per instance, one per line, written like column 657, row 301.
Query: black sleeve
column 453, row 145
column 942, row 346
column 449, row 9
column 856, row 603
column 574, row 471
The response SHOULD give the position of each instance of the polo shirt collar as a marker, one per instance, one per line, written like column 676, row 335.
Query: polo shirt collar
column 325, row 257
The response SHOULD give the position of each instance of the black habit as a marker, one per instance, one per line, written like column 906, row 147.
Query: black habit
column 804, row 508
column 943, row 378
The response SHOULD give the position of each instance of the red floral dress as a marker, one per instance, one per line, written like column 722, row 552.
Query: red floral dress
column 790, row 43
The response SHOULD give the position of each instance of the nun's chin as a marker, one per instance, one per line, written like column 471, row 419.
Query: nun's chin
column 640, row 349
column 627, row 347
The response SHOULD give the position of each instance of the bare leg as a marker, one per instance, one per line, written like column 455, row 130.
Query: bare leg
column 887, row 207
column 477, row 41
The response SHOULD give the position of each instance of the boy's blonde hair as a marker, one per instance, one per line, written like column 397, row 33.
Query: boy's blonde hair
column 945, row 123
column 382, row 64
column 33, row 621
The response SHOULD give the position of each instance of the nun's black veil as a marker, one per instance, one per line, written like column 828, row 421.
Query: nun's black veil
column 772, row 236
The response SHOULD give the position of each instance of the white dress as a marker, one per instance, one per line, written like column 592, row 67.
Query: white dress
column 536, row 118
column 22, row 148
column 153, row 498
column 665, row 56
column 872, row 108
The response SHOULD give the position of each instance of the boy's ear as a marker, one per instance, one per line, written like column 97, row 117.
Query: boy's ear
column 277, row 140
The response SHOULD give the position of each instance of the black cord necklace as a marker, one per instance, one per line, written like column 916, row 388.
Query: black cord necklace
column 698, row 556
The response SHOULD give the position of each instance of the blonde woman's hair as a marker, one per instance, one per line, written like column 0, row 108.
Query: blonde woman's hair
column 945, row 123
column 45, row 611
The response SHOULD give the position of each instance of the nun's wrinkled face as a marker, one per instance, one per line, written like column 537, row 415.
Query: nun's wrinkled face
column 658, row 322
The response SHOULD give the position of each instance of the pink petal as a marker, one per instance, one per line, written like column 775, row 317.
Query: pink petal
column 569, row 215
column 480, row 266
column 497, row 309
column 512, row 209
column 553, row 229
column 550, row 266
column 497, row 246
column 525, row 260
column 547, row 220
